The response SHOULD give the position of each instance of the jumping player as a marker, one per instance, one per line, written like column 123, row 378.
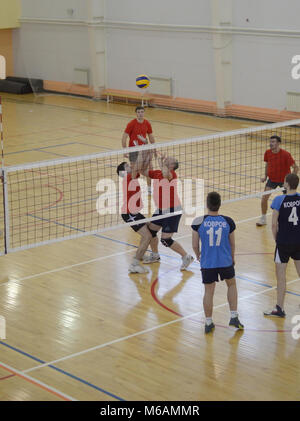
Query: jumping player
column 167, row 201
column 132, row 205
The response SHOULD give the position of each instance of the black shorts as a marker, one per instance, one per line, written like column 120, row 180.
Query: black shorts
column 212, row 275
column 133, row 156
column 283, row 252
column 273, row 184
column 169, row 224
column 130, row 217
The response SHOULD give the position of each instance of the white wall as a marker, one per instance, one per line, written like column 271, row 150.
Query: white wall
column 188, row 12
column 186, row 59
column 50, row 52
column 262, row 71
column 268, row 14
column 168, row 38
column 54, row 9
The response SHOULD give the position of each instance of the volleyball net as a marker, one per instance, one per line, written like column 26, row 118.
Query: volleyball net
column 50, row 201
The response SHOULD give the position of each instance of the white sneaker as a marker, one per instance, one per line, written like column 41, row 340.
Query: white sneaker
column 186, row 261
column 262, row 221
column 151, row 258
column 137, row 268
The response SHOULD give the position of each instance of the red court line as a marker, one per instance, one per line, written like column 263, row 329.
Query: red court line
column 7, row 377
column 35, row 383
column 156, row 299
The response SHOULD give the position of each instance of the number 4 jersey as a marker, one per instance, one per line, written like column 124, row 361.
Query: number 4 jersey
column 288, row 207
column 214, row 235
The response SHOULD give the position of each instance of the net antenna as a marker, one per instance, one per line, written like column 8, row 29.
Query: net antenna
column 2, row 76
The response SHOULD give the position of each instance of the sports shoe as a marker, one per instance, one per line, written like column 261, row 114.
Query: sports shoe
column 262, row 221
column 151, row 258
column 137, row 268
column 209, row 328
column 234, row 321
column 278, row 312
column 186, row 261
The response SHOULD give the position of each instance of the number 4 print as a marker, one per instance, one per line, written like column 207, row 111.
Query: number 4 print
column 293, row 216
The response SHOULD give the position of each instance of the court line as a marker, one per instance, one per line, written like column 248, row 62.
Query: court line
column 160, row 303
column 62, row 371
column 128, row 116
column 104, row 257
column 36, row 382
column 142, row 332
column 131, row 245
column 58, row 269
column 97, row 259
column 40, row 149
column 7, row 377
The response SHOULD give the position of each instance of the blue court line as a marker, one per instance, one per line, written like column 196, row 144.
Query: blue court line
column 40, row 149
column 252, row 281
column 62, row 371
column 97, row 146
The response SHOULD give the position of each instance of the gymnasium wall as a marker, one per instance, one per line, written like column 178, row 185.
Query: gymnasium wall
column 169, row 38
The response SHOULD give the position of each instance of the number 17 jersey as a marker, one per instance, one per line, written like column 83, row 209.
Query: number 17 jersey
column 214, row 234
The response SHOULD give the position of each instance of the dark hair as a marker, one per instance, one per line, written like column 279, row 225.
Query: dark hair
column 213, row 201
column 292, row 180
column 121, row 167
column 139, row 107
column 176, row 165
column 278, row 138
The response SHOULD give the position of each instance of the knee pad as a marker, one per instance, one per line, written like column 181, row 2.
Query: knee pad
column 153, row 233
column 167, row 242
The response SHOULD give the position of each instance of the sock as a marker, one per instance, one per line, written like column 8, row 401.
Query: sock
column 135, row 261
column 264, row 218
column 234, row 314
column 208, row 321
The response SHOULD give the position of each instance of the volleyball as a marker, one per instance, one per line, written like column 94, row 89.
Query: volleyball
column 142, row 81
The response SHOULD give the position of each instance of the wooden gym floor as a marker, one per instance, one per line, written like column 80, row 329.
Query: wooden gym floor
column 79, row 327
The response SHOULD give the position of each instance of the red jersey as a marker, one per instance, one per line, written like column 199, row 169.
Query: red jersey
column 132, row 202
column 134, row 128
column 278, row 164
column 164, row 191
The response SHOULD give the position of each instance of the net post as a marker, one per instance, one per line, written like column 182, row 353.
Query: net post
column 5, row 210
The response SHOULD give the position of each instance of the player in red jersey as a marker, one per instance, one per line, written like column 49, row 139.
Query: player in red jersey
column 278, row 165
column 167, row 202
column 138, row 130
column 132, row 205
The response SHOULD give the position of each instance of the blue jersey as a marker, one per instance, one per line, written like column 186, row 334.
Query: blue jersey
column 288, row 207
column 214, row 235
